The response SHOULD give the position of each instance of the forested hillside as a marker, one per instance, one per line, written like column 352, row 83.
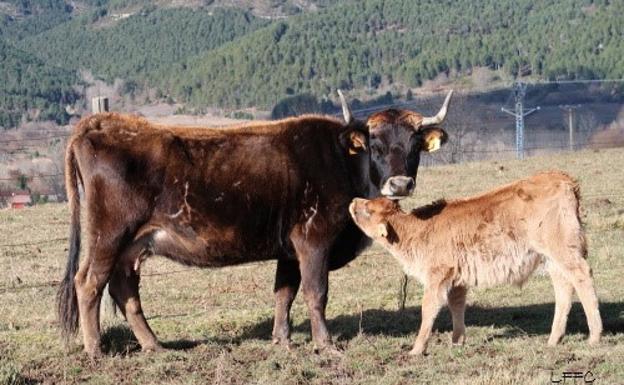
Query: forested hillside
column 138, row 47
column 362, row 43
column 203, row 54
column 29, row 84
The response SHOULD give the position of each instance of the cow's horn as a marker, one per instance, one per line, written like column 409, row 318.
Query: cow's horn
column 440, row 116
column 346, row 110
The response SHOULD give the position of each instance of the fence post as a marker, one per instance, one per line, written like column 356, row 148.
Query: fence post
column 99, row 104
column 402, row 293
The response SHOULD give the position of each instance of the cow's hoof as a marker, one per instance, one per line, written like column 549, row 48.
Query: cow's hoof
column 459, row 340
column 286, row 343
column 94, row 353
column 328, row 350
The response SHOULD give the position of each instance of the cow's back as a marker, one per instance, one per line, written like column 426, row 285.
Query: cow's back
column 228, row 195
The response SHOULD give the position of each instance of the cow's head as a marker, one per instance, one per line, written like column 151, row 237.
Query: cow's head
column 396, row 139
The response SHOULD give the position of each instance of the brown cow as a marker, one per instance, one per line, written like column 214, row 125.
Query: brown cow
column 219, row 197
column 498, row 237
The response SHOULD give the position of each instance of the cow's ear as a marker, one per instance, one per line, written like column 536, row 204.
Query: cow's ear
column 433, row 138
column 356, row 142
column 382, row 230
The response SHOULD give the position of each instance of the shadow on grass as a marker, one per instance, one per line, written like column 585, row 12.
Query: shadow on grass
column 514, row 320
column 119, row 340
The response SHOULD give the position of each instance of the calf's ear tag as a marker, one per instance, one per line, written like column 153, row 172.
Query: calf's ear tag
column 382, row 230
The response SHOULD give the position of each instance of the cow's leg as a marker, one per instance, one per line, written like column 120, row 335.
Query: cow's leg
column 90, row 280
column 124, row 287
column 563, row 302
column 287, row 280
column 457, row 307
column 313, row 265
column 433, row 300
column 314, row 277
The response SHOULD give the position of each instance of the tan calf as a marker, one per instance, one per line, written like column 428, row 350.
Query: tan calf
column 499, row 237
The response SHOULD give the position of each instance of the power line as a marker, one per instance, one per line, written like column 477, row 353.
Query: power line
column 578, row 81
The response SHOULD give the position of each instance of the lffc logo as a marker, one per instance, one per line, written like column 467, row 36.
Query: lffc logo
column 574, row 377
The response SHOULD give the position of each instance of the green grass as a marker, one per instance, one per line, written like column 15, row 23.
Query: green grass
column 217, row 323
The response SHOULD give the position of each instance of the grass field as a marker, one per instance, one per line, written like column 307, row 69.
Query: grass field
column 217, row 323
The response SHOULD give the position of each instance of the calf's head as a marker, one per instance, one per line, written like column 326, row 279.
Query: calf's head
column 371, row 216
column 396, row 139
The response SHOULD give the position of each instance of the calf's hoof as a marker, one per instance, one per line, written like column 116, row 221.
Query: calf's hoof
column 417, row 351
column 153, row 348
column 552, row 342
column 594, row 340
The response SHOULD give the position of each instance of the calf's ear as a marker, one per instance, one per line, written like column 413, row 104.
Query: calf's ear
column 433, row 138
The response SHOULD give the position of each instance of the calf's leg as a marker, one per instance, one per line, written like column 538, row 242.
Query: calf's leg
column 457, row 307
column 563, row 303
column 432, row 302
column 568, row 255
column 580, row 276
column 287, row 280
column 567, row 248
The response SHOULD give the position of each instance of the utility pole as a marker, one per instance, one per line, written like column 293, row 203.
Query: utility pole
column 519, row 91
column 570, row 110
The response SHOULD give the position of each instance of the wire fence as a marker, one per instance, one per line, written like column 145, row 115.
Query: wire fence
column 188, row 270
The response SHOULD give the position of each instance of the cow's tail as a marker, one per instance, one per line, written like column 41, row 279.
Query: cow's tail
column 67, row 301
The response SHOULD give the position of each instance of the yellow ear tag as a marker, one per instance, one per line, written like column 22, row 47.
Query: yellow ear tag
column 382, row 230
column 433, row 144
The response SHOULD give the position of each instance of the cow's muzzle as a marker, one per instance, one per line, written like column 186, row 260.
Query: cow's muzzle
column 398, row 187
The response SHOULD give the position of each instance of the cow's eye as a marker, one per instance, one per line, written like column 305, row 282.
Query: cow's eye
column 376, row 149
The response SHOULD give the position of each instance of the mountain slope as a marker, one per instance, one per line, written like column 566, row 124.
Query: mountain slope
column 207, row 55
column 363, row 43
column 30, row 84
column 136, row 46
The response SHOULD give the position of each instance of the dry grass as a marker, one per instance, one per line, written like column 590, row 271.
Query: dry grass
column 217, row 323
